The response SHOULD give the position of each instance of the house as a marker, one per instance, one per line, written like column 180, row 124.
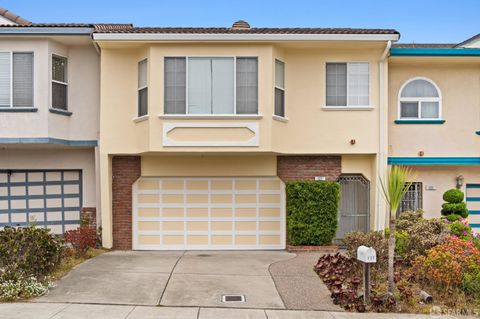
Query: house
column 49, row 121
column 434, row 112
column 201, row 127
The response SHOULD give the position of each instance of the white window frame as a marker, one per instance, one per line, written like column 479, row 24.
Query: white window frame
column 419, row 100
column 11, row 82
column 275, row 116
column 343, row 107
column 145, row 116
column 59, row 82
column 234, row 114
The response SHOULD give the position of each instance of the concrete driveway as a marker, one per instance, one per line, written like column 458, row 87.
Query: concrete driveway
column 189, row 278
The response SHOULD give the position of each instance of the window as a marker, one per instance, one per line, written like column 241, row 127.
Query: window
column 16, row 79
column 209, row 86
column 348, row 84
column 279, row 88
column 419, row 99
column 412, row 200
column 59, row 83
column 142, row 88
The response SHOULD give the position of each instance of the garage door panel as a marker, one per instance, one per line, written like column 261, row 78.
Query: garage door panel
column 46, row 198
column 208, row 213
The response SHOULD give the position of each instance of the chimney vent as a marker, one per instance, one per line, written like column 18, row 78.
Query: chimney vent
column 240, row 25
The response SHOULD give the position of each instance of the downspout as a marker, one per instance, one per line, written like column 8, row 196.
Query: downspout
column 381, row 159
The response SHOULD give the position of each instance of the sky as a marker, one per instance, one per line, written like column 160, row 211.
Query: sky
column 420, row 21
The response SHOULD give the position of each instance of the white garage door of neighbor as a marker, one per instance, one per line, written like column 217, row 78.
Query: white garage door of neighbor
column 208, row 213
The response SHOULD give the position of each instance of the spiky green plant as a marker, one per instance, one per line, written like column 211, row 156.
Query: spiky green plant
column 399, row 181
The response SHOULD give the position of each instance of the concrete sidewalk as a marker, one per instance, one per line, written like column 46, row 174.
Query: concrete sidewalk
column 79, row 311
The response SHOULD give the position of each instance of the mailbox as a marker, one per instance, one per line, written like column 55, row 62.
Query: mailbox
column 366, row 254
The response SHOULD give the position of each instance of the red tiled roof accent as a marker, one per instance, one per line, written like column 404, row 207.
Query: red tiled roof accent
column 13, row 17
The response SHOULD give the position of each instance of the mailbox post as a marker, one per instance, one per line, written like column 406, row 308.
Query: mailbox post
column 367, row 255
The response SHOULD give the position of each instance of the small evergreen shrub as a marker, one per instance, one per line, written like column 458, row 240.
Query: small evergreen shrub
column 312, row 212
column 374, row 239
column 454, row 203
column 81, row 239
column 29, row 251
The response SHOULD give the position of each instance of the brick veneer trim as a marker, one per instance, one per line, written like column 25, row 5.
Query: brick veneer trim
column 125, row 171
column 89, row 216
column 304, row 167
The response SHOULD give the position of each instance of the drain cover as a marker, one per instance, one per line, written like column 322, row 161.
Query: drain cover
column 233, row 298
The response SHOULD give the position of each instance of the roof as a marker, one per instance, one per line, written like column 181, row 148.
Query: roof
column 100, row 27
column 475, row 37
column 9, row 15
column 215, row 30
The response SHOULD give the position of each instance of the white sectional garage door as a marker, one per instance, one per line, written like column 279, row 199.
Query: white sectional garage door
column 208, row 213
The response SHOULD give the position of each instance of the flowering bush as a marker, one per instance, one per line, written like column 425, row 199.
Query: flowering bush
column 29, row 287
column 82, row 238
column 448, row 263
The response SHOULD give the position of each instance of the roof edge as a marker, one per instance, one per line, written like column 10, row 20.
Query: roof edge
column 440, row 52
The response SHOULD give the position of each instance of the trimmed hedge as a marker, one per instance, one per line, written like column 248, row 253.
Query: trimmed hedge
column 312, row 212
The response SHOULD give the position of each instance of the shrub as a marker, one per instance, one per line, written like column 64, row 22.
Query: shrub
column 374, row 239
column 82, row 238
column 312, row 208
column 454, row 203
column 28, row 287
column 29, row 250
column 447, row 263
column 471, row 282
column 453, row 196
column 408, row 219
column 461, row 229
column 401, row 242
column 453, row 217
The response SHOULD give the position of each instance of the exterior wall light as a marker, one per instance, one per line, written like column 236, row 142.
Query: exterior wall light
column 459, row 179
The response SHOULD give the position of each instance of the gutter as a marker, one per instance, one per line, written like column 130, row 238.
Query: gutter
column 241, row 37
column 440, row 52
column 45, row 31
column 382, row 158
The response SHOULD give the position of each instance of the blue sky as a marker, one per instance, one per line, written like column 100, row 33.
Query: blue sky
column 417, row 20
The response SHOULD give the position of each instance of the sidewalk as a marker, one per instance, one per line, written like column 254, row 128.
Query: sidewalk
column 79, row 311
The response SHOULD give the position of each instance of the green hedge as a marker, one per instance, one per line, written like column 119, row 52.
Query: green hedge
column 312, row 212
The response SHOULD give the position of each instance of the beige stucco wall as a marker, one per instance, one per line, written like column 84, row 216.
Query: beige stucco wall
column 310, row 128
column 442, row 178
column 459, row 82
column 55, row 158
column 83, row 91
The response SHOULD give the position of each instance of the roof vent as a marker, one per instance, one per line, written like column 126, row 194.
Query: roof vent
column 240, row 25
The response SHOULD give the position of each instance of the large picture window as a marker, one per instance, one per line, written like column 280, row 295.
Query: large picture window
column 16, row 79
column 419, row 98
column 211, row 85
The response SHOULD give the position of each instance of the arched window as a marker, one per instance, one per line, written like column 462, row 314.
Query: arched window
column 419, row 98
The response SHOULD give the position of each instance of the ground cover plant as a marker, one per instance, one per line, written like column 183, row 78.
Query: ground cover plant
column 431, row 256
column 31, row 258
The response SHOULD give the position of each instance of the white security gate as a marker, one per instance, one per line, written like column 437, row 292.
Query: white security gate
column 208, row 213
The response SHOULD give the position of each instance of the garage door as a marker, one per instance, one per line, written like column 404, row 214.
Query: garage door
column 473, row 205
column 46, row 198
column 208, row 213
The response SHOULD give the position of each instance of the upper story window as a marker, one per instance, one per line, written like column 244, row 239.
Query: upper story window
column 211, row 86
column 279, row 88
column 142, row 88
column 59, row 82
column 16, row 79
column 348, row 84
column 419, row 98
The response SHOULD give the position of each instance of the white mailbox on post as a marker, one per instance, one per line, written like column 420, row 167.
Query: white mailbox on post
column 366, row 254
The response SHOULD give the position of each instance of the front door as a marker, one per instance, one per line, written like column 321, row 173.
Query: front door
column 354, row 208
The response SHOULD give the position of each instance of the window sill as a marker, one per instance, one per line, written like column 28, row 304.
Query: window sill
column 60, row 112
column 141, row 118
column 211, row 117
column 419, row 121
column 18, row 109
column 280, row 118
column 348, row 108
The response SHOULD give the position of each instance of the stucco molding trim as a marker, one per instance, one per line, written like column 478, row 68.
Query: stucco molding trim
column 280, row 118
column 60, row 112
column 253, row 142
column 210, row 117
column 434, row 161
column 47, row 140
column 348, row 108
column 419, row 121
column 18, row 109
column 141, row 118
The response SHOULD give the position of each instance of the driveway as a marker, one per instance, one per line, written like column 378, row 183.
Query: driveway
column 177, row 278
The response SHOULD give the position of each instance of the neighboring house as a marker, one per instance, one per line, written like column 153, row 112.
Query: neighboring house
column 49, row 117
column 201, row 127
column 434, row 121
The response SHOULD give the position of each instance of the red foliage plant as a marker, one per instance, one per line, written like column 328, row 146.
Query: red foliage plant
column 82, row 238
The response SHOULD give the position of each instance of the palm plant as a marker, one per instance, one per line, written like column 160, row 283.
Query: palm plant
column 399, row 181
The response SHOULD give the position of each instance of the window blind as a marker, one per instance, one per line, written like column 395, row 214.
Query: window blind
column 175, row 85
column 247, row 85
column 22, row 79
column 336, row 84
column 4, row 79
column 142, row 88
column 358, row 84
